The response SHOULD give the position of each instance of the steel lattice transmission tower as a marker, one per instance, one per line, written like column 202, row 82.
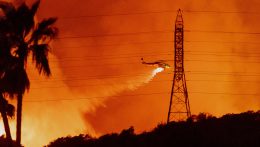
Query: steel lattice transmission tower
column 179, row 108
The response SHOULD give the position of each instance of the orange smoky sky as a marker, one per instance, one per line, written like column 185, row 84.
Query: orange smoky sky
column 99, row 85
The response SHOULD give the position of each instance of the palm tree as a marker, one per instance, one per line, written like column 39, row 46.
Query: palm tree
column 6, row 109
column 14, row 82
column 26, row 37
column 7, row 74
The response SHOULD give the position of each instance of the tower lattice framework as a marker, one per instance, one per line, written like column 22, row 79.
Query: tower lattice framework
column 179, row 108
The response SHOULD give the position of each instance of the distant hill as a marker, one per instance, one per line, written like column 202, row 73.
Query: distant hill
column 203, row 130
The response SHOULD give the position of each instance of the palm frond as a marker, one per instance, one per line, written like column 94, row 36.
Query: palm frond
column 44, row 30
column 24, row 20
column 15, row 27
column 35, row 7
column 8, row 108
column 8, row 8
column 47, row 22
column 22, row 52
column 40, row 58
column 28, row 16
column 14, row 81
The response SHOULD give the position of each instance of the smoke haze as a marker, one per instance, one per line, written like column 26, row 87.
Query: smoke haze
column 99, row 85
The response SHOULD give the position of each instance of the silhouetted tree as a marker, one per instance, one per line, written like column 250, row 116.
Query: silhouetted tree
column 76, row 141
column 9, row 108
column 237, row 130
column 8, row 70
column 5, row 120
column 25, row 37
column 6, row 109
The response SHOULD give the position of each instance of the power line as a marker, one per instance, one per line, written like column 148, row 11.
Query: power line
column 118, row 56
column 192, row 60
column 225, row 12
column 121, row 34
column 225, row 55
column 106, row 57
column 158, row 42
column 98, row 77
column 143, row 94
column 137, row 62
column 152, row 32
column 232, row 74
column 228, row 42
column 85, row 66
column 116, row 34
column 107, row 76
column 159, row 12
column 157, row 81
column 88, row 98
column 229, row 61
column 85, row 79
column 224, row 93
column 142, row 54
column 117, row 14
column 122, row 44
column 225, row 32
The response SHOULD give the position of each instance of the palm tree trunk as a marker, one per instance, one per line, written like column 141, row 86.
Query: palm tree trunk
column 5, row 121
column 19, row 119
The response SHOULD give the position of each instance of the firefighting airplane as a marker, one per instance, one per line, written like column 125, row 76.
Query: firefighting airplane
column 158, row 63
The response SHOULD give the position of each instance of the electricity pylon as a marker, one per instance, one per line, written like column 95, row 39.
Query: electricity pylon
column 179, row 108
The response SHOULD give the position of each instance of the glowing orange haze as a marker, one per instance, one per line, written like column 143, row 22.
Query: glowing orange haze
column 95, row 75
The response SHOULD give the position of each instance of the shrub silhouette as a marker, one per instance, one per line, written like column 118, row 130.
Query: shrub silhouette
column 203, row 130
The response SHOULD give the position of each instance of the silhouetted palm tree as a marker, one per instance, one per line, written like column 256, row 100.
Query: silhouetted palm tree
column 6, row 109
column 25, row 37
column 14, row 81
column 8, row 70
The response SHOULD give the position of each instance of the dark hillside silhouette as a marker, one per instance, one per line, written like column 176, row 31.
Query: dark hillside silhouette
column 203, row 130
